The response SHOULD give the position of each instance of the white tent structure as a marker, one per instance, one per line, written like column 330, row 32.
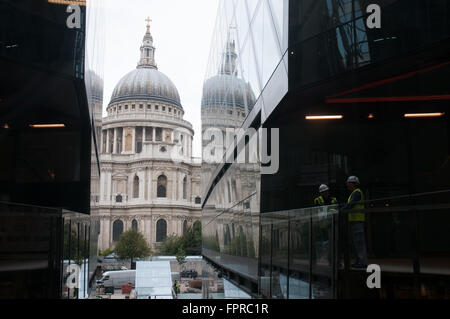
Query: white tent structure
column 153, row 280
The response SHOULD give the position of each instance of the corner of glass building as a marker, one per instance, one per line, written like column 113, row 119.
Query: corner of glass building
column 362, row 114
column 51, row 95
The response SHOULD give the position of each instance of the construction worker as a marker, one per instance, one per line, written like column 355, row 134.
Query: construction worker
column 323, row 227
column 356, row 217
column 176, row 288
column 325, row 199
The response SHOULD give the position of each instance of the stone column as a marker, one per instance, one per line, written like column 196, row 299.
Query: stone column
column 134, row 141
column 123, row 140
column 174, row 187
column 101, row 142
column 108, row 141
column 109, row 192
column 115, row 142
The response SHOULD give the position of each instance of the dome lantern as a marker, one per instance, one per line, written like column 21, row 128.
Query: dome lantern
column 147, row 50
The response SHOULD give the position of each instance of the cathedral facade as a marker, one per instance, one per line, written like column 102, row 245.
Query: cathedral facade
column 149, row 178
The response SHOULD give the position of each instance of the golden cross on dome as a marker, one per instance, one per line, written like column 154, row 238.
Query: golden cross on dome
column 148, row 23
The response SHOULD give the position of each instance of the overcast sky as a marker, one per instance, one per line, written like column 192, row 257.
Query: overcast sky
column 182, row 32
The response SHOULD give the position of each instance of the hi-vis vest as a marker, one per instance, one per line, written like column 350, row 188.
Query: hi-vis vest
column 320, row 201
column 357, row 216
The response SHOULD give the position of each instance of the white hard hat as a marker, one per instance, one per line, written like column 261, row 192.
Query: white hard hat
column 353, row 179
column 323, row 188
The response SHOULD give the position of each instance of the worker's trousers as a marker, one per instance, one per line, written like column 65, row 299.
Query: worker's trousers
column 358, row 237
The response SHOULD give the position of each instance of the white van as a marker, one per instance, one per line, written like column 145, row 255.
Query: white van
column 118, row 278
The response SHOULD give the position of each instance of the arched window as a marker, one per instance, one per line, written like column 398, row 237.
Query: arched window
column 162, row 187
column 185, row 188
column 161, row 230
column 117, row 230
column 185, row 227
column 134, row 224
column 136, row 187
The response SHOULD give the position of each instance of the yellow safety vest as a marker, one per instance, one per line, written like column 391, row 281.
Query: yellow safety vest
column 320, row 201
column 357, row 216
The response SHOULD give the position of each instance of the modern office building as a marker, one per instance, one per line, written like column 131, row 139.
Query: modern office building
column 51, row 92
column 149, row 179
column 348, row 98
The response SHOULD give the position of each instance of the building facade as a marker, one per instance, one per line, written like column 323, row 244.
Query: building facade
column 149, row 179
column 347, row 98
column 51, row 90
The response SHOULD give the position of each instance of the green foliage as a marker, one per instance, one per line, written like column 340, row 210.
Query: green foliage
column 170, row 245
column 181, row 256
column 131, row 245
column 241, row 246
column 190, row 242
column 76, row 248
column 212, row 243
column 105, row 253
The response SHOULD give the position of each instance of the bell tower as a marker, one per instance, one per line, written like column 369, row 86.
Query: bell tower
column 147, row 50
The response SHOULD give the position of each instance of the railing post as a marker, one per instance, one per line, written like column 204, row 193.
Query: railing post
column 310, row 253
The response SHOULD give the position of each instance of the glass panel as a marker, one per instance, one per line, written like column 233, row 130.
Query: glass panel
column 299, row 257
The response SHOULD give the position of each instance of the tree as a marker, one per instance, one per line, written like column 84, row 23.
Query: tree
column 181, row 257
column 190, row 242
column 131, row 245
column 170, row 245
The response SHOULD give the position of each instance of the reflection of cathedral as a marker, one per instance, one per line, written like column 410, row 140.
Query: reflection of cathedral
column 231, row 215
column 226, row 102
column 141, row 184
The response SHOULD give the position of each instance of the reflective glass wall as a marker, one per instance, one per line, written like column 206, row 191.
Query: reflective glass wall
column 370, row 103
column 249, row 49
column 51, row 92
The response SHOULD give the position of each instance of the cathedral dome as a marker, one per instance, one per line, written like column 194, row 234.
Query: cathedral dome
column 94, row 85
column 227, row 90
column 146, row 83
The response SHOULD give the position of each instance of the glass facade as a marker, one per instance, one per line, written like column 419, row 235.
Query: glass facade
column 51, row 95
column 248, row 54
column 360, row 101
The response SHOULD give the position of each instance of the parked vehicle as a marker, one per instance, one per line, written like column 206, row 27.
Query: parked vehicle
column 189, row 274
column 118, row 278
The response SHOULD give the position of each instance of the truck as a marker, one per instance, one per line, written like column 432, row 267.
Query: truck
column 117, row 279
